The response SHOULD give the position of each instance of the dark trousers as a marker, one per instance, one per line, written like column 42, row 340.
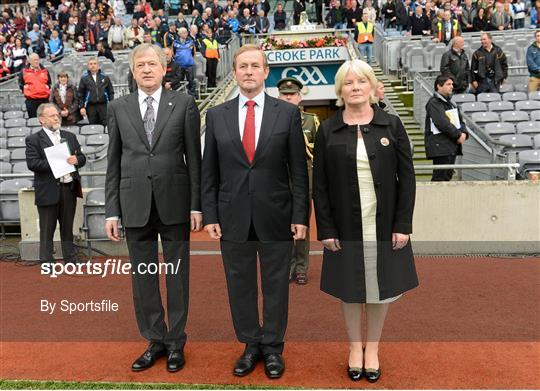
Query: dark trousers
column 143, row 249
column 32, row 106
column 188, row 75
column 487, row 85
column 443, row 175
column 240, row 262
column 318, row 10
column 97, row 113
column 63, row 212
column 211, row 69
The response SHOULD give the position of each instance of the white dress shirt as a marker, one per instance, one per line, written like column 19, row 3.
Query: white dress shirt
column 55, row 139
column 155, row 103
column 242, row 112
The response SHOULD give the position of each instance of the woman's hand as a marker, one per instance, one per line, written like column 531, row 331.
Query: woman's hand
column 332, row 244
column 399, row 240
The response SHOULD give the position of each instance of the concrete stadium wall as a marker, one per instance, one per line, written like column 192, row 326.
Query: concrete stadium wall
column 450, row 218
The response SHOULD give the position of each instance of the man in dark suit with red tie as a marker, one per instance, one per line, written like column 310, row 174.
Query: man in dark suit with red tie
column 255, row 200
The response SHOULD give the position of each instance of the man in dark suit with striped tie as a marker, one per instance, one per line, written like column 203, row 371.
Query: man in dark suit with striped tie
column 153, row 184
column 255, row 200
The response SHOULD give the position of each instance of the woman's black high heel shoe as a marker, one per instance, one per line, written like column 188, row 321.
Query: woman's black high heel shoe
column 372, row 375
column 355, row 374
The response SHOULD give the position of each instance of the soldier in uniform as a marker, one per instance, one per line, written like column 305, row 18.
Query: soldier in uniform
column 290, row 91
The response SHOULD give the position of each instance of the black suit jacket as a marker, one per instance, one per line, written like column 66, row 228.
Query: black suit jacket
column 168, row 171
column 46, row 187
column 272, row 192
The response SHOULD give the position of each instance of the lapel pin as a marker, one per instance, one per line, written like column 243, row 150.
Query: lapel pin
column 385, row 142
column 170, row 103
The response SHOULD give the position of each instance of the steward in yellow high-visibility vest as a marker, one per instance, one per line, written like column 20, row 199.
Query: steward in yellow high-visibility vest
column 210, row 51
column 211, row 48
column 441, row 33
column 364, row 32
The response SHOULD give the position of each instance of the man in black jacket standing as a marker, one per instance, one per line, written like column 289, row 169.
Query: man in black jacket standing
column 95, row 92
column 419, row 23
column 456, row 64
column 445, row 131
column 489, row 67
column 56, row 199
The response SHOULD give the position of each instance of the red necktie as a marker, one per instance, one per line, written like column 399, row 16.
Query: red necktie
column 248, row 138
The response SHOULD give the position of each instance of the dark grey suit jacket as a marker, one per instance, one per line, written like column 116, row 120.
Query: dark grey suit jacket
column 272, row 192
column 169, row 171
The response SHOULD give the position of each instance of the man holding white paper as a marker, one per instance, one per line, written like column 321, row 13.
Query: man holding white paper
column 54, row 156
column 445, row 132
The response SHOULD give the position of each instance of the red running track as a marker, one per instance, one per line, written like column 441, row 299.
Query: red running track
column 473, row 323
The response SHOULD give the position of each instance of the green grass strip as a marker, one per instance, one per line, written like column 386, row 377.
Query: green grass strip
column 63, row 385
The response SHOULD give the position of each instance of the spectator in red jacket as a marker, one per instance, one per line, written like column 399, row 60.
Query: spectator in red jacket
column 35, row 83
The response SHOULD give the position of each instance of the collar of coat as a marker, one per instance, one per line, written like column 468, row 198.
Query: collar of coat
column 380, row 117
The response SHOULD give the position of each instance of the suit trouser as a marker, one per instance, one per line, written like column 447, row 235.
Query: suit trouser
column 143, row 249
column 97, row 113
column 63, row 212
column 187, row 73
column 443, row 175
column 240, row 262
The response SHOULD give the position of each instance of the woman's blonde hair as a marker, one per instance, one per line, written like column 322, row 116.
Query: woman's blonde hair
column 359, row 68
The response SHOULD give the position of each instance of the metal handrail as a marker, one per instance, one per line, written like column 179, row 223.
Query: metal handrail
column 512, row 168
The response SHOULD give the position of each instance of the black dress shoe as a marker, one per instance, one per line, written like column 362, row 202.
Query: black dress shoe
column 149, row 357
column 372, row 375
column 355, row 374
column 175, row 360
column 274, row 366
column 246, row 364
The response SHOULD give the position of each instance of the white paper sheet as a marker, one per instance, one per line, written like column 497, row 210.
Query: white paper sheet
column 453, row 116
column 57, row 156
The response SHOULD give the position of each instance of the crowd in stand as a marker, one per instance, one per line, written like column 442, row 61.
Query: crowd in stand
column 430, row 17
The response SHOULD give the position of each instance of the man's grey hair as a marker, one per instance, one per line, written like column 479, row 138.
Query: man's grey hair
column 33, row 55
column 42, row 107
column 144, row 48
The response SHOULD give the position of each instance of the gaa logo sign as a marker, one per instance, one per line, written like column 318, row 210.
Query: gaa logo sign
column 310, row 75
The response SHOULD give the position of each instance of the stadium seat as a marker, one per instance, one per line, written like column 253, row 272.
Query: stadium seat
column 5, row 155
column 18, row 155
column 483, row 117
column 460, row 98
column 514, row 96
column 33, row 122
column 16, row 142
column 529, row 161
column 535, row 115
column 3, row 143
column 11, row 107
column 5, row 167
column 528, row 105
column 35, row 129
column 518, row 141
column 507, row 87
column 20, row 168
column 488, row 97
column 15, row 123
column 528, row 127
column 514, row 116
column 536, row 141
column 500, row 106
column 3, row 133
column 14, row 114
column 473, row 107
column 521, row 88
column 87, row 150
column 97, row 139
column 81, row 139
column 535, row 95
column 9, row 199
column 92, row 129
column 22, row 131
column 499, row 128
column 73, row 129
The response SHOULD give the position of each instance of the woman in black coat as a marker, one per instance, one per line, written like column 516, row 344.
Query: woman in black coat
column 364, row 192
